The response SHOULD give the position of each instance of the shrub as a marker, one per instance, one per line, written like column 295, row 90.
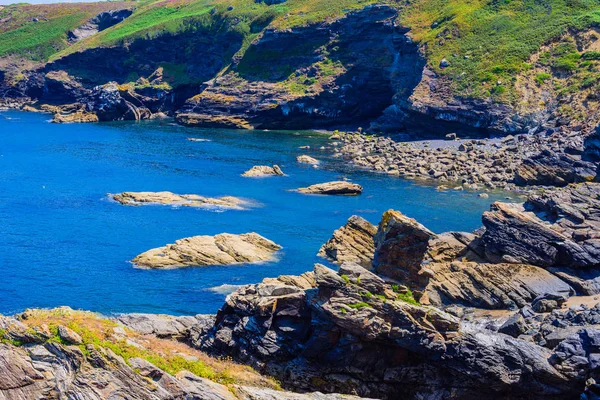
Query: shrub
column 541, row 78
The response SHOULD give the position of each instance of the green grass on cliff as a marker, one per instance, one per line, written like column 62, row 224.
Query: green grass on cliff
column 36, row 32
column 490, row 41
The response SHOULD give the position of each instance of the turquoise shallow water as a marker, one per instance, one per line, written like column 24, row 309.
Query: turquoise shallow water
column 62, row 242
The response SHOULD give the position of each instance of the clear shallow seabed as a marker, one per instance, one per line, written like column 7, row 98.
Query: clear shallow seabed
column 63, row 242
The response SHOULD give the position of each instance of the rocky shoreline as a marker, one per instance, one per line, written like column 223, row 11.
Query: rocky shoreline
column 511, row 163
column 509, row 311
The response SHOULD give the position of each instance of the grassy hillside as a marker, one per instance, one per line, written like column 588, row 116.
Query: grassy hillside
column 38, row 31
column 487, row 43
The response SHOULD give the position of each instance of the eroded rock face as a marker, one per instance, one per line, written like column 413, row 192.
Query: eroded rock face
column 352, row 242
column 450, row 268
column 184, row 200
column 333, row 188
column 558, row 228
column 263, row 170
column 46, row 369
column 401, row 243
column 352, row 334
column 99, row 23
column 222, row 249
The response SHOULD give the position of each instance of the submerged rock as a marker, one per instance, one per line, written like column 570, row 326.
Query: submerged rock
column 184, row 200
column 333, row 188
column 352, row 242
column 222, row 249
column 263, row 170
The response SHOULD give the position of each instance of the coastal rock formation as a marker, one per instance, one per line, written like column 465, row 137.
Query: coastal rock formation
column 353, row 242
column 222, row 249
column 51, row 367
column 304, row 159
column 263, row 170
column 449, row 268
column 184, row 200
column 557, row 228
column 351, row 333
column 333, row 188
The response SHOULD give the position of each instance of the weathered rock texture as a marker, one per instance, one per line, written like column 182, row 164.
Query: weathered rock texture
column 184, row 200
column 333, row 188
column 37, row 366
column 449, row 268
column 558, row 228
column 263, row 170
column 352, row 242
column 353, row 335
column 222, row 249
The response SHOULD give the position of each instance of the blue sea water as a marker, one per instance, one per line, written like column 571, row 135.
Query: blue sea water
column 63, row 242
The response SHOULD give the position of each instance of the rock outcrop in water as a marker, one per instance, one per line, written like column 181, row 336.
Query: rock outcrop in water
column 333, row 188
column 222, row 249
column 352, row 242
column 263, row 170
column 184, row 200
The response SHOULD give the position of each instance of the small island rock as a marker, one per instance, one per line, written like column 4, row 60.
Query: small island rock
column 184, row 200
column 333, row 188
column 304, row 159
column 263, row 170
column 222, row 249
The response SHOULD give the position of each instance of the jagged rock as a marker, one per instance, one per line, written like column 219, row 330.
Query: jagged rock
column 307, row 160
column 52, row 370
column 557, row 228
column 222, row 249
column 400, row 245
column 333, row 188
column 352, row 242
column 345, row 336
column 184, row 200
column 514, row 326
column 263, row 170
column 68, row 335
column 550, row 168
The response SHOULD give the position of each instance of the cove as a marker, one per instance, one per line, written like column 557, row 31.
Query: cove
column 65, row 243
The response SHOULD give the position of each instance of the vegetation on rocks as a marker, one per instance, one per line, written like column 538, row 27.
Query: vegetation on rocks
column 98, row 332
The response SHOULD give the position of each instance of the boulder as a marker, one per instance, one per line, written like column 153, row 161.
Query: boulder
column 222, row 249
column 184, row 200
column 333, row 188
column 263, row 170
column 547, row 302
column 352, row 242
column 68, row 335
